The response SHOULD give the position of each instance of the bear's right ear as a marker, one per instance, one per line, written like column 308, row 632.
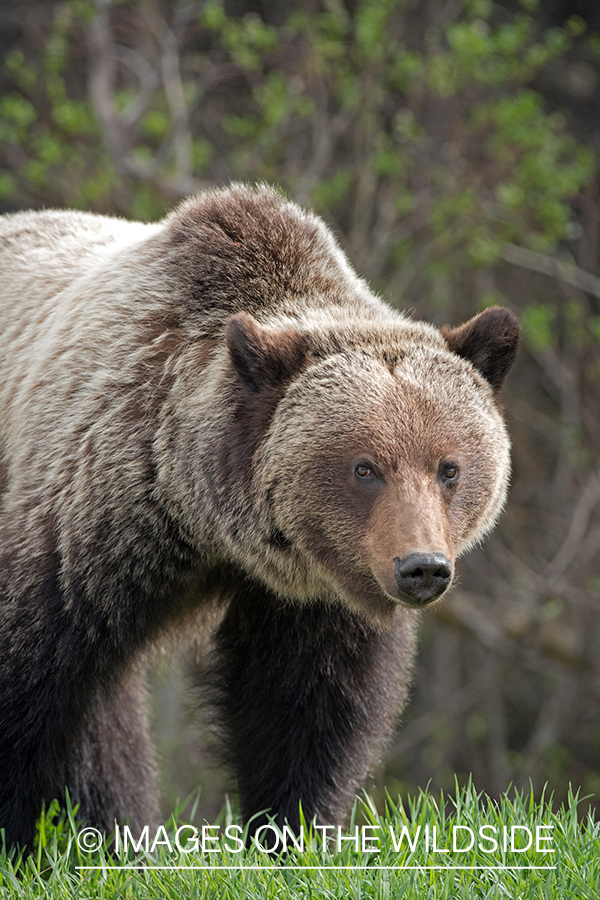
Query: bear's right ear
column 263, row 357
column 489, row 341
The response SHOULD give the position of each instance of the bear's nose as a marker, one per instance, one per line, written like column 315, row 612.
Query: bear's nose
column 423, row 576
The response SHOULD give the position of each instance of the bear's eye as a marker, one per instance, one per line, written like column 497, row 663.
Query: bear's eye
column 364, row 471
column 449, row 472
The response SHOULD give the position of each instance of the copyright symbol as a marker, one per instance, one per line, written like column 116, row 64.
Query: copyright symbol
column 90, row 840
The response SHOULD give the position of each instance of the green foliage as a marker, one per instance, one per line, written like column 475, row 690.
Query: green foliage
column 332, row 102
column 545, row 164
column 386, row 866
column 528, row 167
column 55, row 135
column 537, row 323
column 246, row 39
column 329, row 192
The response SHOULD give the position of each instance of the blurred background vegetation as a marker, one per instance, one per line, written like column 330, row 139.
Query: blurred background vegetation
column 453, row 147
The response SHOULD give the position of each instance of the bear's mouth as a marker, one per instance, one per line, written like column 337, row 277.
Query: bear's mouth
column 401, row 599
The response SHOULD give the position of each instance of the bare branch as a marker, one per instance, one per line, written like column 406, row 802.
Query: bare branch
column 171, row 77
column 461, row 610
column 552, row 719
column 325, row 134
column 148, row 79
column 577, row 529
column 421, row 728
column 182, row 140
column 550, row 265
column 102, row 77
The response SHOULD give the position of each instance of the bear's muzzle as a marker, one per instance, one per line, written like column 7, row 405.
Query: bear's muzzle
column 422, row 577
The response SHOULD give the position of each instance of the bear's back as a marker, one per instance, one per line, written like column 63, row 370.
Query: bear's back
column 226, row 251
column 59, row 245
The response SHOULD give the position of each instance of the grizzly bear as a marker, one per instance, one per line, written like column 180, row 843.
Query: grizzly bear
column 213, row 422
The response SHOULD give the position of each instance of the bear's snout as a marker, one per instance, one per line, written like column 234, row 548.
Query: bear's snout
column 422, row 577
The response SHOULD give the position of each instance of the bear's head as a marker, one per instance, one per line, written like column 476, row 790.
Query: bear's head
column 378, row 451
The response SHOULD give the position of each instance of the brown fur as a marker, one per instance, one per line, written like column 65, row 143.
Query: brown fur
column 184, row 407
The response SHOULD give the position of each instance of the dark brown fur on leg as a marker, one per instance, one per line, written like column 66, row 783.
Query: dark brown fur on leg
column 112, row 773
column 309, row 696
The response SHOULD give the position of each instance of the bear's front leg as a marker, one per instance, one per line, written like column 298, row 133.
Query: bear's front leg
column 111, row 771
column 65, row 723
column 309, row 695
column 63, row 702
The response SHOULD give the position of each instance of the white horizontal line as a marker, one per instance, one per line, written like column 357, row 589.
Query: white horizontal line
column 275, row 868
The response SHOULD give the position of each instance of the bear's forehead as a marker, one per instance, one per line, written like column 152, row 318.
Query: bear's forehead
column 419, row 379
column 387, row 337
column 411, row 352
column 429, row 405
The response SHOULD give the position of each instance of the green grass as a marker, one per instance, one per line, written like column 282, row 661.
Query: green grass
column 59, row 868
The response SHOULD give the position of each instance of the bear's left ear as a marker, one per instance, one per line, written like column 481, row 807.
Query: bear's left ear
column 489, row 341
column 263, row 357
